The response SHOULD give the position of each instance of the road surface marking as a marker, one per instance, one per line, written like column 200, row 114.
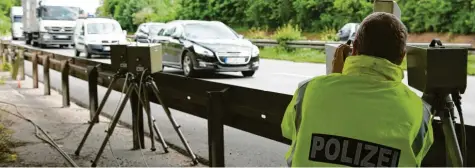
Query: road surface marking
column 295, row 75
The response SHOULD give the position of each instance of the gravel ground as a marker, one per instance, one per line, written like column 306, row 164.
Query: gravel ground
column 67, row 126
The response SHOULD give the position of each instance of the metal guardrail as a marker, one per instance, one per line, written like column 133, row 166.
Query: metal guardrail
column 315, row 44
column 243, row 108
column 321, row 44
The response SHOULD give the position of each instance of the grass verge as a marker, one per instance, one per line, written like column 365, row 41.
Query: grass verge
column 318, row 56
column 298, row 55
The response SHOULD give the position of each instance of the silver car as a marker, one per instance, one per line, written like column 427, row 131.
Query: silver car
column 348, row 32
column 146, row 31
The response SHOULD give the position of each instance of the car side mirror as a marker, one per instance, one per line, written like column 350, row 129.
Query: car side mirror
column 175, row 37
column 240, row 36
column 124, row 32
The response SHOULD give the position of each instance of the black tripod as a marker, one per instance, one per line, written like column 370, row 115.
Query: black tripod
column 443, row 106
column 132, row 84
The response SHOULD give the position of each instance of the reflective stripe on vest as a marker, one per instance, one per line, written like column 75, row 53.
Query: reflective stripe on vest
column 298, row 115
column 419, row 140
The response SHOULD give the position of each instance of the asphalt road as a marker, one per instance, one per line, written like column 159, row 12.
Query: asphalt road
column 242, row 149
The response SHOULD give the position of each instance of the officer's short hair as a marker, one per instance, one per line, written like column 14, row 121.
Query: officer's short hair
column 382, row 35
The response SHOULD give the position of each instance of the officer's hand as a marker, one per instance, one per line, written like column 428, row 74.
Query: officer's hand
column 339, row 58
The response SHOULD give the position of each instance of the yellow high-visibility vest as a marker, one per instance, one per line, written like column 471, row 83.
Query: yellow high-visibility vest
column 365, row 116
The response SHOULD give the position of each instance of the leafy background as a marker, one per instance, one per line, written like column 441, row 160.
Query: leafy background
column 451, row 16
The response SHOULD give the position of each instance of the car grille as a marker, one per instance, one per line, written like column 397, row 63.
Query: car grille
column 233, row 54
column 55, row 29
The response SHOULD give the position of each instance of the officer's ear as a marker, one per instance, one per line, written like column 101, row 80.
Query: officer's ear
column 402, row 55
column 355, row 45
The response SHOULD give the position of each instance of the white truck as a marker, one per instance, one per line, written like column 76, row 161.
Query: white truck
column 49, row 22
column 16, row 15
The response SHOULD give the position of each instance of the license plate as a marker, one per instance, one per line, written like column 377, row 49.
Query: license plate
column 235, row 60
column 62, row 36
column 107, row 48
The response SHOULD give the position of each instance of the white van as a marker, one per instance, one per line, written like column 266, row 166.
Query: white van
column 93, row 36
column 16, row 14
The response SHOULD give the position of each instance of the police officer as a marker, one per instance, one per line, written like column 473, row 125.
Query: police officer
column 362, row 114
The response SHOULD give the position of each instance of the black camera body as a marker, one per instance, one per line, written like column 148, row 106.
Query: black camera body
column 119, row 59
column 436, row 69
column 136, row 58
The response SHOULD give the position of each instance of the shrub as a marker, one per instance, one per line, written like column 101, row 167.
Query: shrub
column 287, row 33
column 329, row 34
column 6, row 66
column 257, row 33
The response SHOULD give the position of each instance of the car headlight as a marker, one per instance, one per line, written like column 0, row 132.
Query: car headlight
column 255, row 51
column 46, row 36
column 203, row 51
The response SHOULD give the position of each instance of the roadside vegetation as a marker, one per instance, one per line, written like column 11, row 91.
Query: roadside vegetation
column 6, row 143
column 5, row 6
column 454, row 16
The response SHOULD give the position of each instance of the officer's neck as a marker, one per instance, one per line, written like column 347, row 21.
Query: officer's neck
column 372, row 66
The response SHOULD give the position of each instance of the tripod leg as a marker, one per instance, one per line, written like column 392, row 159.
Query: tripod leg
column 451, row 143
column 110, row 130
column 159, row 136
column 146, row 105
column 172, row 120
column 96, row 116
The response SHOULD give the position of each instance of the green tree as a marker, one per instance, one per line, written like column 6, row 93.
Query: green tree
column 456, row 16
column 5, row 6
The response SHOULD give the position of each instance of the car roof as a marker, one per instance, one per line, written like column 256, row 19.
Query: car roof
column 183, row 22
column 153, row 23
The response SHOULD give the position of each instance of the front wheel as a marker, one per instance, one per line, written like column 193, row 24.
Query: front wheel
column 188, row 65
column 248, row 73
column 88, row 55
column 77, row 53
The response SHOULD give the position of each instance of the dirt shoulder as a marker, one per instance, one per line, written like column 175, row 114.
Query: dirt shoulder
column 67, row 127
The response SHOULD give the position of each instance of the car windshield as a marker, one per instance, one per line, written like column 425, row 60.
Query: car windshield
column 154, row 29
column 16, row 18
column 103, row 28
column 59, row 13
column 208, row 31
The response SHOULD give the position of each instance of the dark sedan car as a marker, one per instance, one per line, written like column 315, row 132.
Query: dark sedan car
column 196, row 46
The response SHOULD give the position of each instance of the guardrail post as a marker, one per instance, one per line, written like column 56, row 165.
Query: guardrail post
column 65, row 82
column 15, row 62
column 21, row 59
column 1, row 51
column 92, row 75
column 9, row 57
column 1, row 48
column 46, row 78
column 215, row 128
column 137, row 122
column 34, row 63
